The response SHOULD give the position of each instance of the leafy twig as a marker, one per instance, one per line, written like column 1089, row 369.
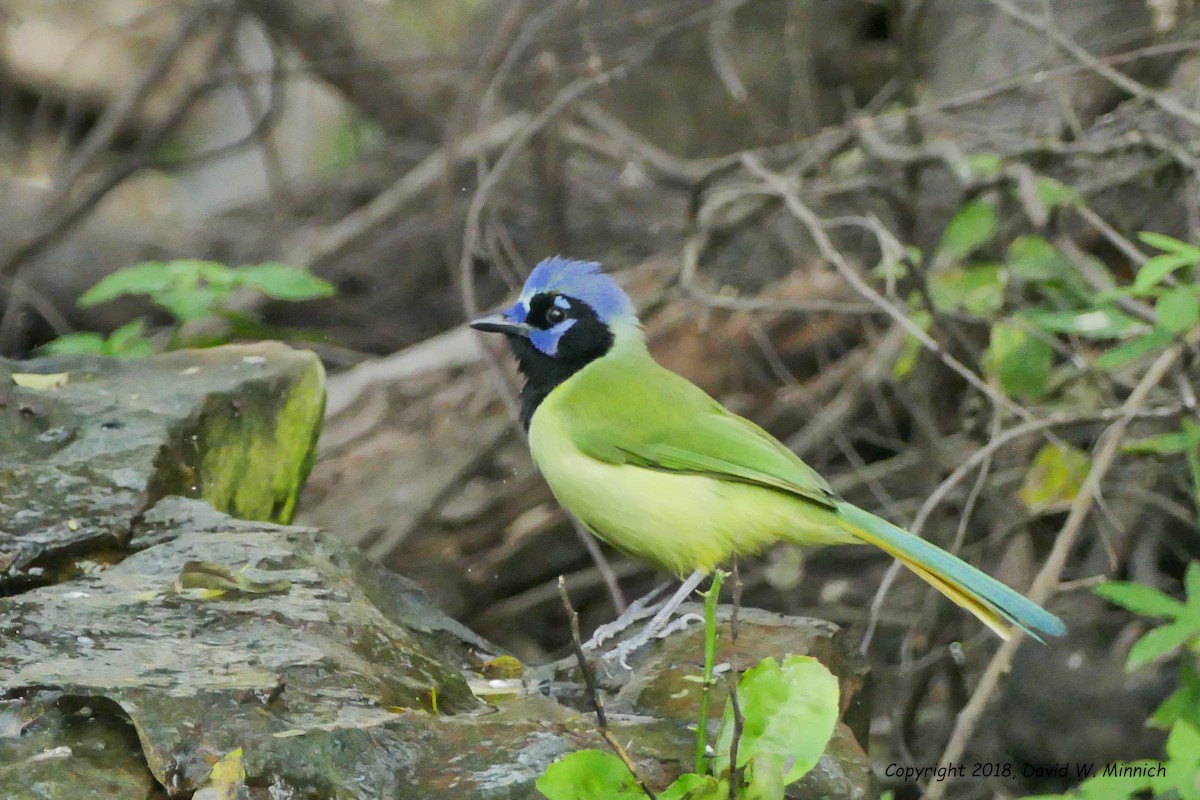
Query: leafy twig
column 784, row 188
column 1047, row 578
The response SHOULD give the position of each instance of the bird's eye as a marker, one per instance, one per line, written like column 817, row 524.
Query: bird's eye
column 555, row 315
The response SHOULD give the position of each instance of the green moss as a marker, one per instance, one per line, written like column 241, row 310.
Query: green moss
column 257, row 450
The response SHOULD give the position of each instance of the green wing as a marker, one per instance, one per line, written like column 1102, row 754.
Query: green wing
column 670, row 424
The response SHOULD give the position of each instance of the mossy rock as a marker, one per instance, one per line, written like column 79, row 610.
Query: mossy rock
column 88, row 443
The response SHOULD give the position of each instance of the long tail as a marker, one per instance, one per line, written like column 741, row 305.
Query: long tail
column 981, row 594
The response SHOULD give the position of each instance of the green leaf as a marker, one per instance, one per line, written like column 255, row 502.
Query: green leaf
column 984, row 165
column 907, row 358
column 765, row 778
column 1034, row 259
column 789, row 711
column 41, row 381
column 129, row 341
column 1161, row 641
column 1165, row 444
column 972, row 227
column 215, row 274
column 1184, row 703
column 187, row 271
column 690, row 786
column 1113, row 787
column 1020, row 360
column 1152, row 342
column 588, row 775
column 1098, row 323
column 977, row 289
column 1191, row 432
column 282, row 282
column 912, row 347
column 187, row 304
column 1055, row 477
column 1178, row 310
column 1169, row 244
column 1139, row 599
column 84, row 343
column 148, row 277
column 1156, row 270
column 1182, row 778
column 1191, row 583
column 1054, row 193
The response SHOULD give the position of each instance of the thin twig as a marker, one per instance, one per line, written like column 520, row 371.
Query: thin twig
column 1119, row 79
column 337, row 239
column 739, row 720
column 571, row 93
column 783, row 187
column 1046, row 581
column 117, row 116
column 603, row 565
column 590, row 681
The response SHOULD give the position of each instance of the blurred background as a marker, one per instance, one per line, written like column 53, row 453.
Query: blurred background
column 906, row 236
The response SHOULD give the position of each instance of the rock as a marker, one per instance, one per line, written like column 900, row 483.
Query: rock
column 297, row 664
column 81, row 461
column 334, row 677
column 45, row 746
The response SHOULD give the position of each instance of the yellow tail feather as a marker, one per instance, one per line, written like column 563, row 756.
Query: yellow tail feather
column 962, row 597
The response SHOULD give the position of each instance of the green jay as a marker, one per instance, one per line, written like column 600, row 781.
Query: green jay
column 654, row 466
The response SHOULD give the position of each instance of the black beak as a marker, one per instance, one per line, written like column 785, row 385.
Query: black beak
column 498, row 323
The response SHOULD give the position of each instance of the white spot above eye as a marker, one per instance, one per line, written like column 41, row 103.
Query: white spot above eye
column 562, row 302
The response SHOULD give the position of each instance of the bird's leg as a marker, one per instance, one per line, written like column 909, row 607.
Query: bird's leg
column 638, row 610
column 656, row 625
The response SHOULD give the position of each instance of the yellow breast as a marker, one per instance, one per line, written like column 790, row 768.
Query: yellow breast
column 678, row 521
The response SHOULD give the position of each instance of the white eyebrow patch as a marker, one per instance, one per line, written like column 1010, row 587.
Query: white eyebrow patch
column 562, row 302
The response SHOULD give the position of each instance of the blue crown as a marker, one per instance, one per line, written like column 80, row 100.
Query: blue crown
column 582, row 280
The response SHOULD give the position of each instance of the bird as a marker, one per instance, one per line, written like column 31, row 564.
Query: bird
column 652, row 464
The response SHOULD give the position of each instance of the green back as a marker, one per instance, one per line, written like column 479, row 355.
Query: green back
column 626, row 409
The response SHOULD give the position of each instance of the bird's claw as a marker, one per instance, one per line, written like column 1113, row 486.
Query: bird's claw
column 638, row 610
column 625, row 649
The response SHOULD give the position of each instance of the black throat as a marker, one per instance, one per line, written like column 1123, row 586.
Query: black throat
column 543, row 374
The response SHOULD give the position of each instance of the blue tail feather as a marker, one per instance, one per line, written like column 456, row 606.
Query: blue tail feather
column 1004, row 601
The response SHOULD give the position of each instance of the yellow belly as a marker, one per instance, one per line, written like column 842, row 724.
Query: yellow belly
column 678, row 521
